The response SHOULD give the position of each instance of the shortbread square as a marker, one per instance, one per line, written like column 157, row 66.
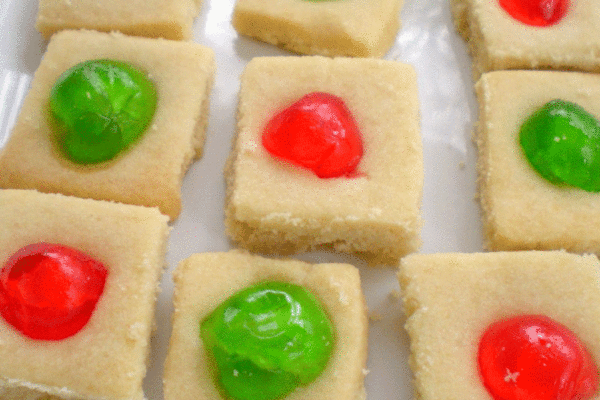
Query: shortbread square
column 522, row 210
column 350, row 28
column 107, row 358
column 274, row 207
column 203, row 281
column 151, row 170
column 451, row 299
column 498, row 41
column 169, row 19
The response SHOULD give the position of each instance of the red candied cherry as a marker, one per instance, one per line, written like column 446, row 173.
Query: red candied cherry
column 536, row 12
column 317, row 132
column 49, row 291
column 533, row 357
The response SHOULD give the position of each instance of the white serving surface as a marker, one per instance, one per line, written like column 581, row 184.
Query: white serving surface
column 427, row 40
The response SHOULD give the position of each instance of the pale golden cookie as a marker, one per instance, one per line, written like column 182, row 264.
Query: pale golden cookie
column 450, row 300
column 521, row 209
column 151, row 170
column 275, row 207
column 107, row 358
column 359, row 28
column 203, row 281
column 169, row 19
column 498, row 41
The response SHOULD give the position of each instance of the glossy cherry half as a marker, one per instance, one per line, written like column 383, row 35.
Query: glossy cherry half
column 533, row 357
column 49, row 291
column 536, row 12
column 317, row 132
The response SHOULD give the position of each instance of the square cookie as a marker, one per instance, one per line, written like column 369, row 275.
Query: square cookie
column 275, row 207
column 203, row 281
column 522, row 210
column 451, row 299
column 499, row 41
column 107, row 358
column 352, row 28
column 151, row 170
column 169, row 19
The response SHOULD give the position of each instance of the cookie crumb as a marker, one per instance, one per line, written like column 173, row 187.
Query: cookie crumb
column 375, row 316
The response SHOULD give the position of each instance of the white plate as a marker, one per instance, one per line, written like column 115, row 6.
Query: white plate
column 427, row 40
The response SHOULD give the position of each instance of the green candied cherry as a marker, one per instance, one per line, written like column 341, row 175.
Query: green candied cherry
column 266, row 340
column 99, row 108
column 561, row 140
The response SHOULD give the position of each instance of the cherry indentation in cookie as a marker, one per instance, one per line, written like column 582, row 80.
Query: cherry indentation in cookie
column 533, row 357
column 536, row 12
column 49, row 291
column 317, row 132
